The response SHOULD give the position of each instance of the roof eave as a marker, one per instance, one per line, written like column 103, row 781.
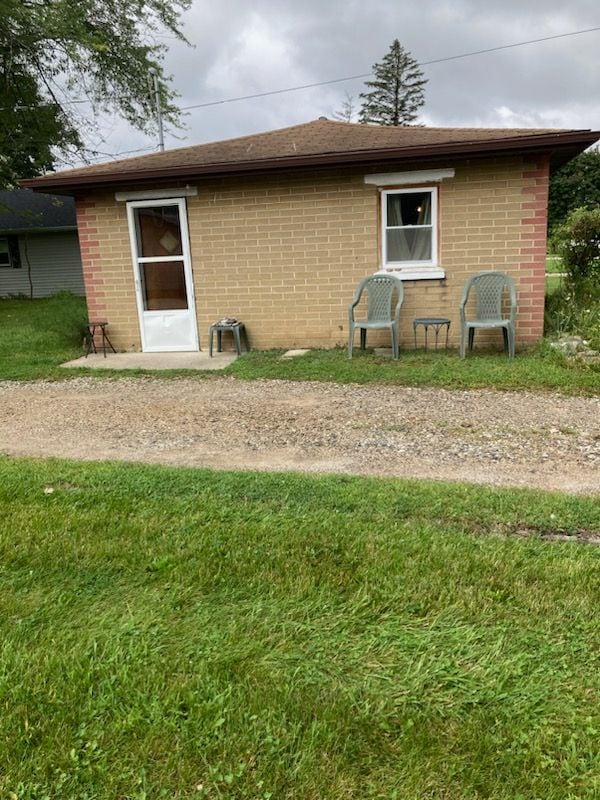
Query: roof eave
column 23, row 231
column 573, row 141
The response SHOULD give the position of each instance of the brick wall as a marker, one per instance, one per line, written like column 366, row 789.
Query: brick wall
column 107, row 267
column 284, row 253
column 532, row 277
column 89, row 245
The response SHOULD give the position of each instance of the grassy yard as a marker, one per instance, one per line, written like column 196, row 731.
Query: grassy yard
column 554, row 282
column 554, row 265
column 37, row 336
column 189, row 634
column 542, row 369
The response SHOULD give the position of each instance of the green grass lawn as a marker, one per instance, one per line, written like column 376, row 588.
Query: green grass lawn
column 192, row 634
column 553, row 283
column 539, row 369
column 37, row 336
column 554, row 264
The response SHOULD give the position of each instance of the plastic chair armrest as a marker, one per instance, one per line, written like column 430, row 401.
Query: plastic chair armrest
column 397, row 309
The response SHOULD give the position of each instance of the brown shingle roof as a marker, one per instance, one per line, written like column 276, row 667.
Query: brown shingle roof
column 321, row 142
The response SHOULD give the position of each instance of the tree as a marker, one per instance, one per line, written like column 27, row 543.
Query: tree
column 60, row 56
column 576, row 185
column 577, row 242
column 30, row 127
column 347, row 112
column 575, row 307
column 397, row 92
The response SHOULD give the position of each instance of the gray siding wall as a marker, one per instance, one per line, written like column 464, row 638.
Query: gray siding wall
column 55, row 266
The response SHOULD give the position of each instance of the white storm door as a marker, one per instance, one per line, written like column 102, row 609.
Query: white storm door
column 162, row 267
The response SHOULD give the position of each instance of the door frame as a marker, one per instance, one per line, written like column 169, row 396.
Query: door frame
column 186, row 257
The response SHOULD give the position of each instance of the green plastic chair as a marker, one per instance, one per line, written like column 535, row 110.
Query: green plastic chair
column 380, row 291
column 489, row 288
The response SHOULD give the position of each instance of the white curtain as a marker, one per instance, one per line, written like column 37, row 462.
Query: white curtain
column 408, row 244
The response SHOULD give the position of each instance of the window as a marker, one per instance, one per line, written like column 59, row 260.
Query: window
column 4, row 253
column 9, row 252
column 409, row 232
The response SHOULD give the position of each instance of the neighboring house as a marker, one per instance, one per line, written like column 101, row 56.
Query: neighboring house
column 39, row 248
column 279, row 227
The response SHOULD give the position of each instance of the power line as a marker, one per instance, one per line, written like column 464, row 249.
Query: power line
column 123, row 152
column 368, row 74
column 516, row 44
column 341, row 80
column 94, row 153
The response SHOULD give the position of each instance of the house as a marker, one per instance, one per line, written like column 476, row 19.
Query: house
column 278, row 228
column 39, row 249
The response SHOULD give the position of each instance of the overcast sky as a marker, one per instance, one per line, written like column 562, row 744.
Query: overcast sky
column 241, row 48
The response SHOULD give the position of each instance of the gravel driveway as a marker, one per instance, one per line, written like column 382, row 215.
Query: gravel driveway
column 501, row 438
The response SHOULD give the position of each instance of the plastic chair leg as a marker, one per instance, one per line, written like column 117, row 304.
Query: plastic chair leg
column 236, row 336
column 395, row 345
column 511, row 342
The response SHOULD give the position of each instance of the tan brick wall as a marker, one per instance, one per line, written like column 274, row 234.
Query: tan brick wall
column 284, row 253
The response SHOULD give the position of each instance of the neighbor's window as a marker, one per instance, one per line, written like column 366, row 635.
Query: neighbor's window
column 409, row 236
column 4, row 253
column 9, row 252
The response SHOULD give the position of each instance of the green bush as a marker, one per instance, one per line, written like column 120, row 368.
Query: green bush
column 575, row 312
column 575, row 307
column 574, row 185
column 577, row 242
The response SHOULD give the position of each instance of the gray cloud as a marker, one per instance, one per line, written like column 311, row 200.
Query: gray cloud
column 241, row 48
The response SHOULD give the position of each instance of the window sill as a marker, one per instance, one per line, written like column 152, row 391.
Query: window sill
column 414, row 273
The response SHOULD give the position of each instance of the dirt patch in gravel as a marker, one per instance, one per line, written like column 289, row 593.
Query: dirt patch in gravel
column 500, row 438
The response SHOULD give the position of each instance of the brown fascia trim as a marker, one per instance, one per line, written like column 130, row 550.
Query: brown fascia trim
column 35, row 231
column 547, row 142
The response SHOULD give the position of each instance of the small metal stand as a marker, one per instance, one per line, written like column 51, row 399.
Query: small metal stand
column 90, row 336
column 435, row 322
column 238, row 329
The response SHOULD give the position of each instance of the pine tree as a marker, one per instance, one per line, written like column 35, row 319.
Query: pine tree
column 397, row 91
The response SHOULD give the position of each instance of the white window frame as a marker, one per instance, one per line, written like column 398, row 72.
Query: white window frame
column 412, row 270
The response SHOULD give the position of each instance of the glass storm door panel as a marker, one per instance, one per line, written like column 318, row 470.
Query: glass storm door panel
column 163, row 275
